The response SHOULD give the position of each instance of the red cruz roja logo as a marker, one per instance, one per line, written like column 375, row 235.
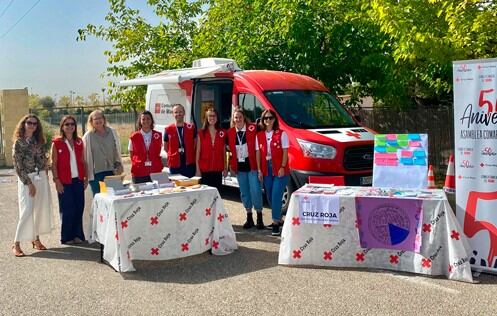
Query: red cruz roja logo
column 394, row 259
column 361, row 255
column 338, row 245
column 466, row 164
column 209, row 236
column 457, row 263
column 297, row 254
column 436, row 253
column 488, row 151
column 164, row 240
column 185, row 246
column 463, row 68
column 184, row 215
column 133, row 214
column 134, row 242
column 461, row 177
column 163, row 108
column 162, row 209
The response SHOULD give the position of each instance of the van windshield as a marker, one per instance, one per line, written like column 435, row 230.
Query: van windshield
column 309, row 109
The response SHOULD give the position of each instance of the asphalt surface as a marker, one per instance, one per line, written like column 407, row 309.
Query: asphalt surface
column 69, row 280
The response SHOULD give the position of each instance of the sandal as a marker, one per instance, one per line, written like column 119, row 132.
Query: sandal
column 16, row 250
column 38, row 245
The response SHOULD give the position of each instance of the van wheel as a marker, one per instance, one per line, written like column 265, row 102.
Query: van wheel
column 285, row 201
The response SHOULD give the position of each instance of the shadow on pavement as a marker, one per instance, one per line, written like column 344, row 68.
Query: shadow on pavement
column 83, row 252
column 204, row 267
column 264, row 235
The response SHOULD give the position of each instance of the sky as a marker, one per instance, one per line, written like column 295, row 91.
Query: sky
column 41, row 53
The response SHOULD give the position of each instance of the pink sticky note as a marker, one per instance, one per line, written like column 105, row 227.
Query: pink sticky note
column 391, row 162
column 391, row 137
column 406, row 154
column 413, row 143
column 386, row 155
column 380, row 162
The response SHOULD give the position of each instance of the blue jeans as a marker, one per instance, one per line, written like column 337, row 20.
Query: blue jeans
column 250, row 190
column 71, row 206
column 274, row 186
column 99, row 176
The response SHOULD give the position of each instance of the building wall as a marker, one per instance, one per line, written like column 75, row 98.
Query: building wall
column 13, row 106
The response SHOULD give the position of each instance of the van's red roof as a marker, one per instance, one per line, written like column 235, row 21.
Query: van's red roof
column 269, row 80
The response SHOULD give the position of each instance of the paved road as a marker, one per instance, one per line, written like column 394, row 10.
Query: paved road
column 69, row 280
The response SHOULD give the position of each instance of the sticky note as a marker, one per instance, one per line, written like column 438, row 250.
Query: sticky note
column 391, row 136
column 401, row 136
column 414, row 143
column 380, row 143
column 392, row 143
column 392, row 162
column 419, row 153
column 385, row 156
column 406, row 161
column 402, row 143
column 391, row 149
column 419, row 161
column 380, row 137
column 380, row 162
column 414, row 137
column 406, row 154
column 380, row 149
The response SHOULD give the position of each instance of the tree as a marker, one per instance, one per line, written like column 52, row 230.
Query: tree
column 140, row 48
column 64, row 101
column 93, row 99
column 47, row 103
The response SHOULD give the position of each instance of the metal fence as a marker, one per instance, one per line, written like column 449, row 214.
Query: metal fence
column 438, row 123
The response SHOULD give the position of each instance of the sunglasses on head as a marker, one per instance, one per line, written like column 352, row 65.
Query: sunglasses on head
column 31, row 123
column 268, row 118
column 70, row 124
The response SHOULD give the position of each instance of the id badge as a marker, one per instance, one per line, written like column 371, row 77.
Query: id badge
column 181, row 150
column 242, row 152
column 148, row 163
column 37, row 177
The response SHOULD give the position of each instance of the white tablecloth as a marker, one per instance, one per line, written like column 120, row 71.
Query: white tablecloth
column 161, row 226
column 444, row 248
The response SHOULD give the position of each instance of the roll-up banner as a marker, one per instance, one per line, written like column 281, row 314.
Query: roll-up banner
column 475, row 124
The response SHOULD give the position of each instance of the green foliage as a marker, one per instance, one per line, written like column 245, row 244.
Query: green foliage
column 47, row 103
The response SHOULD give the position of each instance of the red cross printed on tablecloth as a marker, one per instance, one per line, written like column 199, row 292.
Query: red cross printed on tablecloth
column 359, row 257
column 394, row 259
column 182, row 217
column 426, row 263
column 353, row 134
column 154, row 251
column 208, row 211
column 124, row 224
column 184, row 247
column 215, row 244
column 116, row 236
column 327, row 225
column 450, row 268
column 482, row 165
column 220, row 218
column 154, row 220
column 297, row 254
column 327, row 255
column 455, row 235
column 426, row 228
column 295, row 221
column 101, row 218
column 206, row 241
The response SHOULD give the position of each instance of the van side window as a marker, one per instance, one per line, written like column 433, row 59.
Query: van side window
column 251, row 106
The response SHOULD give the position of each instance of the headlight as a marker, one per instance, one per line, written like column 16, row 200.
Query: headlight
column 314, row 150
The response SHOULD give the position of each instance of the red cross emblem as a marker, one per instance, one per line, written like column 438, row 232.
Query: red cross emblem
column 154, row 251
column 154, row 220
column 220, row 218
column 353, row 134
column 221, row 134
column 454, row 235
column 426, row 228
column 116, row 236
column 206, row 241
column 215, row 244
column 101, row 218
column 450, row 268
column 295, row 221
column 184, row 247
column 359, row 257
column 426, row 263
column 182, row 217
column 297, row 254
column 124, row 224
column 208, row 211
column 251, row 128
column 460, row 177
column 327, row 225
column 327, row 255
column 482, row 165
column 394, row 259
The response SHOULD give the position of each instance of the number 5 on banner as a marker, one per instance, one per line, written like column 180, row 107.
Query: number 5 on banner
column 482, row 102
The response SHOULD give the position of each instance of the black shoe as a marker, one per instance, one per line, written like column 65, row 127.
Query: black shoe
column 270, row 226
column 276, row 231
column 260, row 223
column 250, row 222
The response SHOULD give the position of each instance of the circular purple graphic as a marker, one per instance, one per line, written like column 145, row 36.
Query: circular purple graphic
column 389, row 224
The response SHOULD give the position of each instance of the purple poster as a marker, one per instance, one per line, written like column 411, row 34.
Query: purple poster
column 389, row 223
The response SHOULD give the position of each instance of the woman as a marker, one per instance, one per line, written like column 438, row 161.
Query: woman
column 272, row 163
column 243, row 165
column 144, row 149
column 102, row 150
column 211, row 151
column 69, row 175
column 35, row 204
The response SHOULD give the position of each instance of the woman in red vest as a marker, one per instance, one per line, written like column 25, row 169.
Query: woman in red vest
column 272, row 161
column 69, row 175
column 179, row 143
column 243, row 165
column 144, row 149
column 211, row 150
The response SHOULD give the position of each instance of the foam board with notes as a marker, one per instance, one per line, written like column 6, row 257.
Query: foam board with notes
column 400, row 161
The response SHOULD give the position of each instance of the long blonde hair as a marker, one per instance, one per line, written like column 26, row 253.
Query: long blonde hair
column 89, row 124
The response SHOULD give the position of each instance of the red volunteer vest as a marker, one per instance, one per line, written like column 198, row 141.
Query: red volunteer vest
column 212, row 157
column 138, row 168
column 276, row 152
column 250, row 135
column 173, row 155
column 64, row 159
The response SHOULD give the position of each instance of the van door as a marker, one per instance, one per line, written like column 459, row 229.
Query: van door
column 213, row 93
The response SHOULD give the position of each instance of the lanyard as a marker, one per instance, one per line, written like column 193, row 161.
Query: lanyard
column 240, row 139
column 180, row 136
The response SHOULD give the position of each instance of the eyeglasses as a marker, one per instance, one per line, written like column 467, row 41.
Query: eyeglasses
column 31, row 123
column 69, row 124
column 268, row 118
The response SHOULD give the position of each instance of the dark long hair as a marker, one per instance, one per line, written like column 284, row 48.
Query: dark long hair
column 205, row 124
column 61, row 126
column 276, row 124
column 139, row 123
column 20, row 130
